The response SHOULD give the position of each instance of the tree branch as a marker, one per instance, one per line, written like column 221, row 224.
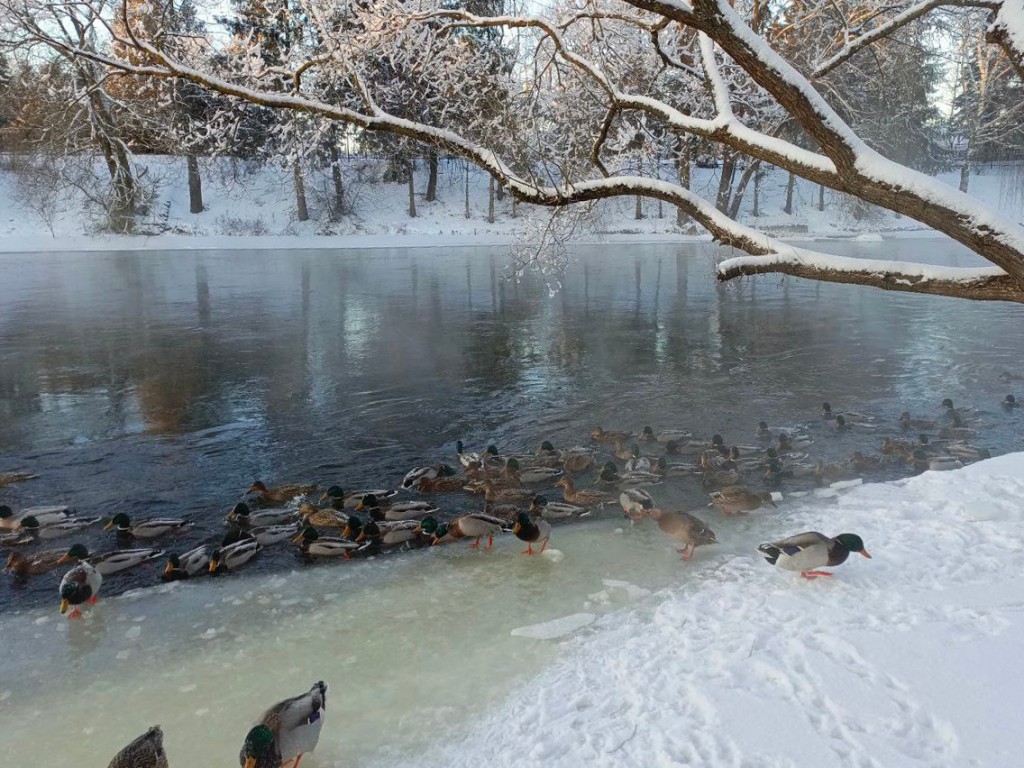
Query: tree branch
column 1007, row 31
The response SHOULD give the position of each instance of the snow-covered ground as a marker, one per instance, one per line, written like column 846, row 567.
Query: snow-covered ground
column 611, row 652
column 255, row 208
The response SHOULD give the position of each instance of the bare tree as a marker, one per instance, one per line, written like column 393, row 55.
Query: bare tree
column 548, row 143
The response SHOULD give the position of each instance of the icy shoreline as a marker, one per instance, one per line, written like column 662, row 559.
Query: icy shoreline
column 904, row 660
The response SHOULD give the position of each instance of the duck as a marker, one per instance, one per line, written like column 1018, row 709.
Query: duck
column 944, row 463
column 957, row 433
column 602, row 436
column 187, row 565
column 666, row 436
column 952, row 413
column 31, row 526
column 532, row 531
column 634, row 502
column 864, row 463
column 826, row 411
column 839, row 423
column 286, row 731
column 636, row 479
column 638, row 463
column 493, row 495
column 22, row 565
column 232, row 557
column 531, row 474
column 80, row 585
column 431, row 472
column 9, row 521
column 381, row 533
column 967, row 451
column 405, row 510
column 147, row 529
column 440, row 484
column 320, row 517
column 146, row 751
column 1009, row 402
column 684, row 527
column 244, row 517
column 619, row 451
column 647, row 435
column 111, row 562
column 788, row 442
column 491, row 457
column 906, row 422
column 891, row 446
column 474, row 526
column 738, row 500
column 684, row 447
column 582, row 498
column 763, row 432
column 268, row 535
column 10, row 478
column 282, row 494
column 725, row 476
column 807, row 552
column 337, row 499
column 553, row 510
column 315, row 545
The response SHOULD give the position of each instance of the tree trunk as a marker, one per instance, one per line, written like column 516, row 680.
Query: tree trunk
column 639, row 213
column 725, row 182
column 431, row 195
column 467, row 191
column 500, row 191
column 821, row 197
column 412, row 189
column 490, row 200
column 301, row 210
column 789, row 193
column 965, row 174
column 515, row 208
column 757, row 194
column 339, row 186
column 195, row 185
column 657, row 175
column 683, row 170
column 749, row 172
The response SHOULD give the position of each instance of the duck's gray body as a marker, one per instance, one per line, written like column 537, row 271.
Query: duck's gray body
column 147, row 751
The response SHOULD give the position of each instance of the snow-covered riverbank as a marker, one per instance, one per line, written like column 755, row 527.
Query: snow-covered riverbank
column 255, row 209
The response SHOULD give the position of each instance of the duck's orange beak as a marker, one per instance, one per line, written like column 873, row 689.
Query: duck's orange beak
column 250, row 762
column 213, row 566
column 63, row 606
column 359, row 506
column 864, row 553
column 108, row 526
column 63, row 559
column 168, row 568
column 297, row 539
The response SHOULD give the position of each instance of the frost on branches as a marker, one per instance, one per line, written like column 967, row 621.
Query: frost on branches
column 582, row 104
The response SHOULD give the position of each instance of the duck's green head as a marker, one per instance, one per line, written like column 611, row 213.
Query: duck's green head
column 905, row 416
column 77, row 552
column 120, row 521
column 610, row 466
column 853, row 542
column 538, row 502
column 512, row 465
column 428, row 525
column 671, row 447
column 354, row 526
column 459, row 447
column 635, row 450
column 662, row 464
column 922, row 439
column 241, row 509
column 258, row 747
column 947, row 403
column 334, row 495
column 5, row 512
column 70, row 592
column 547, row 446
column 173, row 564
column 522, row 521
column 492, row 450
column 826, row 408
column 309, row 533
column 369, row 501
column 1010, row 400
column 762, row 426
column 647, row 432
column 445, row 471
column 771, row 453
column 734, row 453
column 841, row 420
column 609, row 475
column 29, row 523
column 717, row 440
column 440, row 533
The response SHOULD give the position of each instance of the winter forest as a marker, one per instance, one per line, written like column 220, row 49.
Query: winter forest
column 512, row 383
column 558, row 105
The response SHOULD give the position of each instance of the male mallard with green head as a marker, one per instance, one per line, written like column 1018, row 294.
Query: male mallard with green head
column 807, row 552
column 286, row 731
column 532, row 531
column 80, row 585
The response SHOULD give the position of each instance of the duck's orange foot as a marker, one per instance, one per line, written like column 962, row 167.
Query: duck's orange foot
column 75, row 614
column 528, row 550
column 686, row 553
column 814, row 574
column 93, row 600
column 475, row 544
column 490, row 543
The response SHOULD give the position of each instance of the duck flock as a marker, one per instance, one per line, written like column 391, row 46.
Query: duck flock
column 514, row 491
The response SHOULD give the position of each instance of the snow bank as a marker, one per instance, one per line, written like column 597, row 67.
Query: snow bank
column 908, row 659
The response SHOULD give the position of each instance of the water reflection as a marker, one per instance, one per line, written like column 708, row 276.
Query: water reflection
column 165, row 382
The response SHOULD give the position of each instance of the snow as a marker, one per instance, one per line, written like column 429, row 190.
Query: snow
column 904, row 660
column 550, row 630
column 249, row 209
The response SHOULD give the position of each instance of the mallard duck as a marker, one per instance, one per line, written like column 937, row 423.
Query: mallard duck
column 944, row 463
column 111, row 562
column 233, row 556
column 967, row 451
column 286, row 731
column 338, row 499
column 906, row 422
column 602, row 436
column 957, row 433
column 147, row 751
column 826, row 412
column 315, row 545
column 539, row 505
column 666, row 436
column 762, row 432
column 475, row 526
column 195, row 562
column 489, row 458
column 532, row 474
column 10, row 478
column 634, row 501
column 381, row 533
column 440, row 484
column 738, row 500
column 727, row 474
column 30, row 525
column 808, row 551
column 788, row 442
column 647, row 435
column 493, row 495
column 22, row 565
column 268, row 535
column 405, row 510
column 684, row 527
column 147, row 529
column 584, row 497
column 1010, row 402
column 577, row 459
column 244, row 517
column 282, row 494
column 413, row 476
column 839, row 423
column 320, row 517
column 80, row 585
column 9, row 521
column 532, row 531
column 863, row 463
column 892, row 447
column 684, row 447
column 638, row 463
column 620, row 452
